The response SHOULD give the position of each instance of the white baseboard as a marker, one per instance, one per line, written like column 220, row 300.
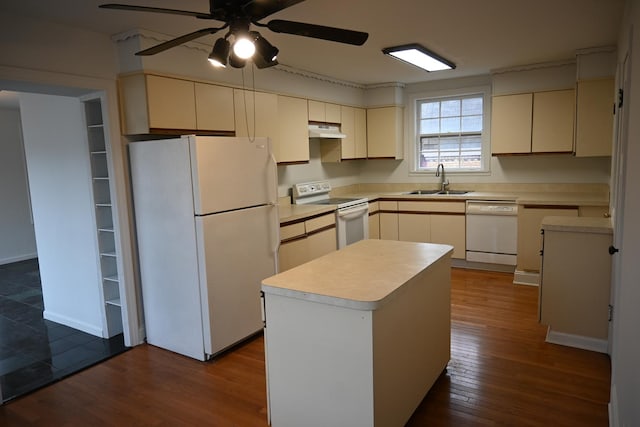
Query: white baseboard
column 18, row 258
column 613, row 408
column 73, row 323
column 577, row 341
column 461, row 263
column 529, row 278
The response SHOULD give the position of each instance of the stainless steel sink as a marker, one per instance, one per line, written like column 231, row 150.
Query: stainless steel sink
column 447, row 192
column 452, row 192
column 423, row 192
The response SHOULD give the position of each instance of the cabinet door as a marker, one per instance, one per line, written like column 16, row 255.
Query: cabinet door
column 316, row 111
column 529, row 236
column 171, row 103
column 360, row 128
column 450, row 230
column 575, row 287
column 332, row 113
column 292, row 254
column 384, row 132
column 348, row 127
column 511, row 117
column 214, row 107
column 594, row 118
column 321, row 243
column 256, row 113
column 374, row 226
column 388, row 226
column 553, row 114
column 414, row 227
column 292, row 144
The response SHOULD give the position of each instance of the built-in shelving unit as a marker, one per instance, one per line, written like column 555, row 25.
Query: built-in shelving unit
column 101, row 185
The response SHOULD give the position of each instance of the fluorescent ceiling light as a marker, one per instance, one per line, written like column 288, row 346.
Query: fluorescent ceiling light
column 419, row 56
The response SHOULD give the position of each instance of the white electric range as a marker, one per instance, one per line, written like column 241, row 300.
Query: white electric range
column 352, row 215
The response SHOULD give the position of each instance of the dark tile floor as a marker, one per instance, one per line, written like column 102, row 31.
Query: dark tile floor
column 35, row 352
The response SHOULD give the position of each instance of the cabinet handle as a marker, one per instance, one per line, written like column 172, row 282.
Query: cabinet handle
column 613, row 250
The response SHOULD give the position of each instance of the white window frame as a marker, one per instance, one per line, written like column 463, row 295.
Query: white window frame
column 413, row 139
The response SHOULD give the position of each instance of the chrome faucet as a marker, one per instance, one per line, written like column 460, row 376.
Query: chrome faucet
column 443, row 182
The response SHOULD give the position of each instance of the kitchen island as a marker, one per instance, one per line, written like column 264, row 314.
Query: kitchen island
column 357, row 337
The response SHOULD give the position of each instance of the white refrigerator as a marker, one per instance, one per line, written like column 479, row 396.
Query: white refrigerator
column 207, row 233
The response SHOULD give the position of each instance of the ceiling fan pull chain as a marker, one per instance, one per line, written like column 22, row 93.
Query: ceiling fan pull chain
column 246, row 114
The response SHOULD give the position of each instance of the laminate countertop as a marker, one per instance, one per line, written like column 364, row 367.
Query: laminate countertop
column 577, row 224
column 362, row 276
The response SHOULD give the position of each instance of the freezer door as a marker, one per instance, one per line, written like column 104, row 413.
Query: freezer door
column 237, row 250
column 231, row 173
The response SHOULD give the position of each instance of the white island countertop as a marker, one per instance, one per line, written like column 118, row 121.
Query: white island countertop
column 362, row 276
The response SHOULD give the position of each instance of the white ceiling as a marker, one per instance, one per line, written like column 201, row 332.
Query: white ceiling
column 478, row 36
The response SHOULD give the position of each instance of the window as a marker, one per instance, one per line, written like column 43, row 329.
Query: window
column 450, row 131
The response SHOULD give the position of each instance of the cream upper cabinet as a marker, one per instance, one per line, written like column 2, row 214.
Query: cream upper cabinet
column 511, row 118
column 150, row 102
column 540, row 122
column 385, row 132
column 594, row 117
column 354, row 145
column 292, row 144
column 214, row 107
column 324, row 112
column 159, row 104
column 171, row 103
column 553, row 118
column 256, row 113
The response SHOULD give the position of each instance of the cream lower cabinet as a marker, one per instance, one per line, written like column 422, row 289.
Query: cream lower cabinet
column 374, row 220
column 529, row 236
column 576, row 278
column 303, row 241
column 433, row 222
column 388, row 220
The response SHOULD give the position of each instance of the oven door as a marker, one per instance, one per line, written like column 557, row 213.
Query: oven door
column 352, row 224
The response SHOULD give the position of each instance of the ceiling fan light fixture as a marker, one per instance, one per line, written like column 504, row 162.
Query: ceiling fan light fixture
column 419, row 56
column 243, row 47
column 219, row 53
column 266, row 50
column 235, row 61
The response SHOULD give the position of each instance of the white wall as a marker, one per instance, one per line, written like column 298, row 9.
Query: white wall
column 625, row 378
column 18, row 239
column 60, row 181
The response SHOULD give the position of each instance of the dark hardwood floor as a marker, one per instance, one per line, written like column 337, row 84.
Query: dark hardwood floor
column 501, row 373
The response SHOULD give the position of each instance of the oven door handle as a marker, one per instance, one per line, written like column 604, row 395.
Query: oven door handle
column 353, row 212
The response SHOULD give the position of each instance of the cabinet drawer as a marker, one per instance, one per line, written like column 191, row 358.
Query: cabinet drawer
column 292, row 231
column 432, row 206
column 314, row 224
column 388, row 206
column 374, row 207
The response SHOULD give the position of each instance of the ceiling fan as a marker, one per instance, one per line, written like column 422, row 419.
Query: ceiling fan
column 238, row 16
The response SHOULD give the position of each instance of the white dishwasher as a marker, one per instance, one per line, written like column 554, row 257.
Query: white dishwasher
column 492, row 231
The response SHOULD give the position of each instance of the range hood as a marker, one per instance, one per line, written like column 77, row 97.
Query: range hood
column 325, row 131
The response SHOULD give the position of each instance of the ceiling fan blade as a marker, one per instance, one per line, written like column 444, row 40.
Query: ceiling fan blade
column 318, row 32
column 155, row 9
column 260, row 9
column 177, row 41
